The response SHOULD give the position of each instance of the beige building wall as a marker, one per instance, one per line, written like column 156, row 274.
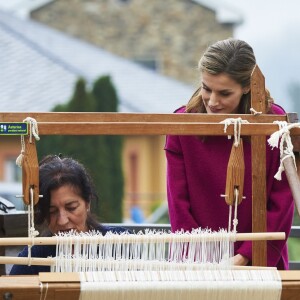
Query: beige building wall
column 144, row 172
column 10, row 148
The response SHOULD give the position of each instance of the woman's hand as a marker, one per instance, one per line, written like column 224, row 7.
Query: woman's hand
column 240, row 260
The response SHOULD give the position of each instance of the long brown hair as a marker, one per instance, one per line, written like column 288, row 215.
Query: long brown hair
column 234, row 58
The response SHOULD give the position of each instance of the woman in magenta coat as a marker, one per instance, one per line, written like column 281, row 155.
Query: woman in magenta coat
column 196, row 167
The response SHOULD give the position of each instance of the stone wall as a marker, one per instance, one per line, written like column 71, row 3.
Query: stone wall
column 173, row 32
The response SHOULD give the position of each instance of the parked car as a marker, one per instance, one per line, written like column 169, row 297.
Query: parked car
column 13, row 219
column 9, row 191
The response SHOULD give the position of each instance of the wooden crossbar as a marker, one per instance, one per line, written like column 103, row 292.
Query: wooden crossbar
column 67, row 117
column 155, row 128
column 67, row 286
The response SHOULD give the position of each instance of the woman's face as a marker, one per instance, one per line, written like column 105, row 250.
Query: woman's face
column 221, row 94
column 67, row 210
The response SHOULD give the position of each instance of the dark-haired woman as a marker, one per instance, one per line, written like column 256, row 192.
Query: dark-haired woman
column 67, row 191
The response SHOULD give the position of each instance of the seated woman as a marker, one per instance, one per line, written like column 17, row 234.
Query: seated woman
column 67, row 191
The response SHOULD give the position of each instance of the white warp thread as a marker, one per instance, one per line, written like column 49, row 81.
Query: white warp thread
column 151, row 251
column 192, row 285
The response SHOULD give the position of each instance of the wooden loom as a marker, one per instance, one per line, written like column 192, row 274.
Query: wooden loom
column 68, row 287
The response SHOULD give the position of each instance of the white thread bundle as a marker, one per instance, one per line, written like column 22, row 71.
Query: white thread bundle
column 33, row 131
column 237, row 124
column 153, row 250
column 281, row 139
column 204, row 285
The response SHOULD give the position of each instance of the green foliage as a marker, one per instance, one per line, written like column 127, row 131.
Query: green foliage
column 296, row 220
column 110, row 157
column 102, row 155
column 103, row 89
column 294, row 249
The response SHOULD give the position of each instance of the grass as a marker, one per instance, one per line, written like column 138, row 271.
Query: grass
column 294, row 249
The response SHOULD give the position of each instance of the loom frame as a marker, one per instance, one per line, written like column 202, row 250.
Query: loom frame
column 258, row 128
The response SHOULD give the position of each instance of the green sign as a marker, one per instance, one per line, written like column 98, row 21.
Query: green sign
column 13, row 128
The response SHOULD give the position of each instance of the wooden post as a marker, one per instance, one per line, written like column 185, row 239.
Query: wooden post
column 292, row 172
column 258, row 154
column 30, row 171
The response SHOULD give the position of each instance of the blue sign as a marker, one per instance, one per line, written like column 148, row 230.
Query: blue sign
column 12, row 128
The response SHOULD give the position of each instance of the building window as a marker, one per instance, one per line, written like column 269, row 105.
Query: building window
column 12, row 173
column 133, row 175
column 147, row 63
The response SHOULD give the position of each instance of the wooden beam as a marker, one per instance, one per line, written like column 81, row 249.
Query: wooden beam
column 30, row 288
column 258, row 154
column 153, row 128
column 133, row 117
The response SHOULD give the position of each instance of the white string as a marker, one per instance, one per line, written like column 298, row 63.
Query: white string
column 229, row 218
column 237, row 123
column 32, row 232
column 33, row 130
column 41, row 291
column 235, row 219
column 254, row 112
column 281, row 139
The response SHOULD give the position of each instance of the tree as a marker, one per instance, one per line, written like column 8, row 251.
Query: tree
column 110, row 179
column 100, row 154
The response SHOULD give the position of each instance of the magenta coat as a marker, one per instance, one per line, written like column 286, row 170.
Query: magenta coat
column 196, row 177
